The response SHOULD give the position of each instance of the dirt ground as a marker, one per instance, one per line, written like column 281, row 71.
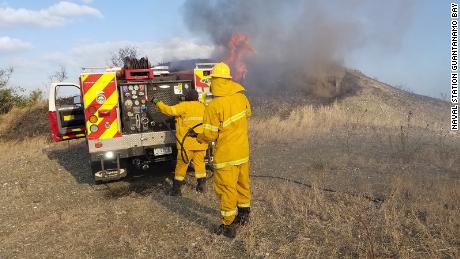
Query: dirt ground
column 51, row 209
column 49, row 206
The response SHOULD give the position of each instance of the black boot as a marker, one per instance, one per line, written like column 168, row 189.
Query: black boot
column 243, row 216
column 175, row 190
column 201, row 185
column 227, row 230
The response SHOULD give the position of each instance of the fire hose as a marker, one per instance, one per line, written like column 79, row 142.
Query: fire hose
column 183, row 152
column 378, row 201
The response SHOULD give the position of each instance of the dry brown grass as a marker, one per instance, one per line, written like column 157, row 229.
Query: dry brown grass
column 48, row 208
column 367, row 144
column 304, row 223
column 368, row 112
column 23, row 123
column 361, row 145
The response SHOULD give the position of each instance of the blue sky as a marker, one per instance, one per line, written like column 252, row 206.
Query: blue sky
column 36, row 37
column 421, row 64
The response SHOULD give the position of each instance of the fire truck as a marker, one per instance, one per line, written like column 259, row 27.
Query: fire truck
column 113, row 111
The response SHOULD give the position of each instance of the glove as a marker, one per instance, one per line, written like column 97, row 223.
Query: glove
column 155, row 100
column 192, row 133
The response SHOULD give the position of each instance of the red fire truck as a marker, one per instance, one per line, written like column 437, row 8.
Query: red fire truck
column 112, row 109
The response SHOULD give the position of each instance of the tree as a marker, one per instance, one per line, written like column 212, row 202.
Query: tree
column 5, row 75
column 119, row 56
column 7, row 96
column 59, row 75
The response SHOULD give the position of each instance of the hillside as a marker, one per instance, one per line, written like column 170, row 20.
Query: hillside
column 25, row 123
column 315, row 165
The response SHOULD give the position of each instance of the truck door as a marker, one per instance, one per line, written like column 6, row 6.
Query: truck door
column 66, row 114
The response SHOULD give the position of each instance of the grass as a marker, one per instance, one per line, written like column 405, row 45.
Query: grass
column 380, row 142
column 310, row 223
column 363, row 144
column 349, row 115
column 26, row 122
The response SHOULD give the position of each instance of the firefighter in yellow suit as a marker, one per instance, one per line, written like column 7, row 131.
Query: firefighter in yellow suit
column 225, row 122
column 187, row 114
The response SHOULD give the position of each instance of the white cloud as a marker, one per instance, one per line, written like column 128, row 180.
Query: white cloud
column 10, row 45
column 33, row 73
column 99, row 53
column 55, row 15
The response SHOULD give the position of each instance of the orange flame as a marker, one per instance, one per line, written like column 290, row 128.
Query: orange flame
column 239, row 47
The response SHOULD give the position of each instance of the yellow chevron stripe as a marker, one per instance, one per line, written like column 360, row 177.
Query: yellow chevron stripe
column 83, row 77
column 99, row 120
column 97, row 87
column 108, row 105
column 110, row 132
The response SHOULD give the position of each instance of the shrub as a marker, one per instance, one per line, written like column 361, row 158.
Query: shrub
column 10, row 97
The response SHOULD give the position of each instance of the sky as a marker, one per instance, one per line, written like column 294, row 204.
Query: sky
column 38, row 37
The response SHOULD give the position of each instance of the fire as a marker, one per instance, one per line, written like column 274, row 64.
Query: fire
column 238, row 48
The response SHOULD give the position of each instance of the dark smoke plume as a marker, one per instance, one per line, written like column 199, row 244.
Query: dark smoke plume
column 300, row 44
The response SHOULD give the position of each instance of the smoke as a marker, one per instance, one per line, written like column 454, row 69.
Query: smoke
column 300, row 44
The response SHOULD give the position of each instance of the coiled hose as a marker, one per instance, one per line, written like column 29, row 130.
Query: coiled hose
column 183, row 152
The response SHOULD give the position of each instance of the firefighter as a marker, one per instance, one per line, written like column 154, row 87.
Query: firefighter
column 188, row 114
column 225, row 122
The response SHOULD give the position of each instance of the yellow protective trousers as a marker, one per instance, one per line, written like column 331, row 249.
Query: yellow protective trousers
column 197, row 159
column 232, row 187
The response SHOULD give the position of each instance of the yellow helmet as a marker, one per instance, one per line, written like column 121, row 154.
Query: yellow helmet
column 221, row 70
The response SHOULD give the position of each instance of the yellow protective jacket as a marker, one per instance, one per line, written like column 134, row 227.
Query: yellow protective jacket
column 187, row 114
column 225, row 121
